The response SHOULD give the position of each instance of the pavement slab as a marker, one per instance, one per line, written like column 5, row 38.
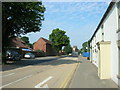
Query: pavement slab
column 86, row 77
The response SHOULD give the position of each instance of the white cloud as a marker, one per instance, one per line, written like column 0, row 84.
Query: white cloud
column 75, row 7
column 76, row 0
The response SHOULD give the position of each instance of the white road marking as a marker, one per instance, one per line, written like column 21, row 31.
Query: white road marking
column 43, row 82
column 15, row 81
column 45, row 86
column 7, row 75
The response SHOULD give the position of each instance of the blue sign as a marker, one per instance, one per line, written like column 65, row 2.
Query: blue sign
column 86, row 54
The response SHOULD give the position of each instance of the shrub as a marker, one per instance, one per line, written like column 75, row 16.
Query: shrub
column 40, row 53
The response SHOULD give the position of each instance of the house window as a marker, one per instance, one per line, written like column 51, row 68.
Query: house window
column 102, row 32
column 102, row 26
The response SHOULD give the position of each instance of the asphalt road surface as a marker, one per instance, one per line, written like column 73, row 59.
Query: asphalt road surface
column 46, row 72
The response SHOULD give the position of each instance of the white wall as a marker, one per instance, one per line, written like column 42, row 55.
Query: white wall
column 118, row 35
column 94, row 54
column 99, row 35
column 97, row 38
column 110, row 26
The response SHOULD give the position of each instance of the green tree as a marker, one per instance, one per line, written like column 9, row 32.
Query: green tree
column 68, row 49
column 59, row 39
column 85, row 47
column 26, row 40
column 21, row 18
column 30, row 45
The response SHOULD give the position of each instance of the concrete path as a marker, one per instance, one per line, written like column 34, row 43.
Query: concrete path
column 86, row 77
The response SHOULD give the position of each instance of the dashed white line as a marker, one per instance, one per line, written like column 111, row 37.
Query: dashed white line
column 7, row 75
column 15, row 81
column 43, row 82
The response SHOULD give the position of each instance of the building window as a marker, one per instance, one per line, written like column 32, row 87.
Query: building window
column 102, row 26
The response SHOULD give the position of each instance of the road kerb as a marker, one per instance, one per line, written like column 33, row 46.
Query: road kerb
column 68, row 78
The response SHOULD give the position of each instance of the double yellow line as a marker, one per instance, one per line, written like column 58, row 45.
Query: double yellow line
column 68, row 78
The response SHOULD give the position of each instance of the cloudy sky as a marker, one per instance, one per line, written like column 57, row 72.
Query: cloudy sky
column 78, row 19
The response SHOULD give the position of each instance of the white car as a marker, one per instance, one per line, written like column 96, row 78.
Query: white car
column 29, row 55
column 70, row 54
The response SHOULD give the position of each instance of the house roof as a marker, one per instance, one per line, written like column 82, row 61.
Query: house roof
column 17, row 42
column 45, row 40
column 104, row 16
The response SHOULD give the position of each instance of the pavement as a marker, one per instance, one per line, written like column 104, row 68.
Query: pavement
column 54, row 73
column 86, row 77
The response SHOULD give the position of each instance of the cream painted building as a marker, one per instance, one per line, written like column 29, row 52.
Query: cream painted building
column 105, row 44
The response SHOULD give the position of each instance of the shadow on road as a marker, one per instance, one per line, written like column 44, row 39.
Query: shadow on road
column 27, row 62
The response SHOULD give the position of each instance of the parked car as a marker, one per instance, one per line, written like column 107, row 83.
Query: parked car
column 70, row 54
column 12, row 55
column 29, row 55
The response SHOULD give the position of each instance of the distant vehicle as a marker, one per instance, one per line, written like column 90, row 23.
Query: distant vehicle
column 12, row 55
column 70, row 54
column 29, row 55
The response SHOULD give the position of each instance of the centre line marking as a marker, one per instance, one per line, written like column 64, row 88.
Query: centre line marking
column 15, row 81
column 7, row 75
column 43, row 82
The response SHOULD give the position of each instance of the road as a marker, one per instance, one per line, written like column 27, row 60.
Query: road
column 50, row 72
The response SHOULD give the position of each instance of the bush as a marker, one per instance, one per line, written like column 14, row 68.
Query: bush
column 39, row 53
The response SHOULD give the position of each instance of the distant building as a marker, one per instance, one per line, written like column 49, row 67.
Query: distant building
column 75, row 50
column 44, row 45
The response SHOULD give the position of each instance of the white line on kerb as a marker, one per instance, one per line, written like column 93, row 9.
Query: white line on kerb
column 43, row 82
column 7, row 75
column 15, row 81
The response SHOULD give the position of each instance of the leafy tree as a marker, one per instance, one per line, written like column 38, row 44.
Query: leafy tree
column 26, row 40
column 21, row 18
column 82, row 50
column 30, row 45
column 85, row 47
column 68, row 49
column 59, row 39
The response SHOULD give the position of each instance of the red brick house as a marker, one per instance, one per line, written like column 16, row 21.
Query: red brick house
column 44, row 45
column 18, row 43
